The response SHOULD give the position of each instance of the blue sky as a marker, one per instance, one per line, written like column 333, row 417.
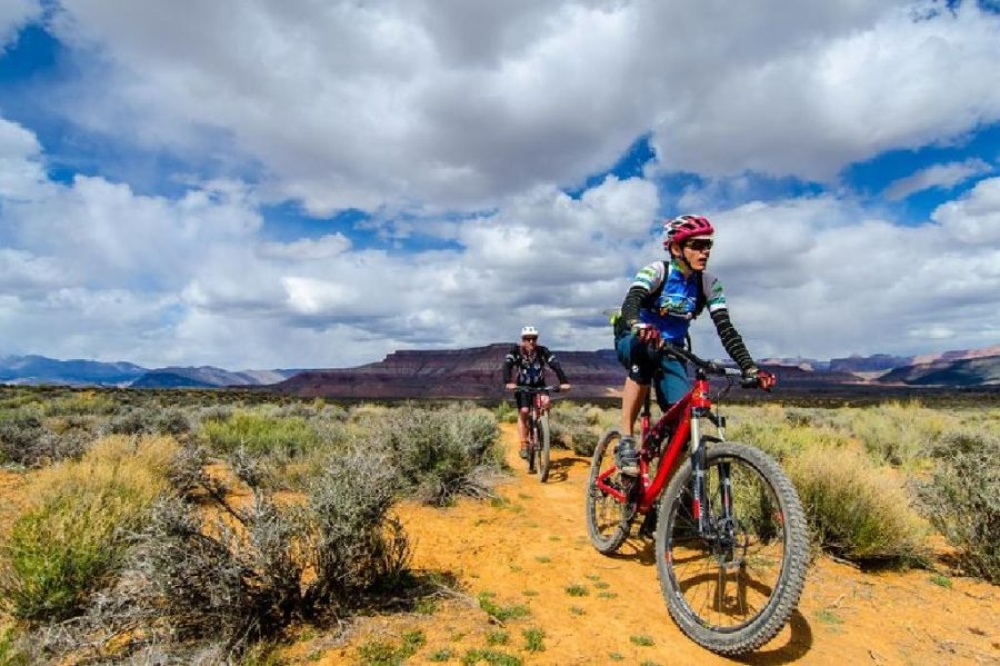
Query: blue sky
column 264, row 184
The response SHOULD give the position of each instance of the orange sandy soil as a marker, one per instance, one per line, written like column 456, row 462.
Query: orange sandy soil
column 531, row 548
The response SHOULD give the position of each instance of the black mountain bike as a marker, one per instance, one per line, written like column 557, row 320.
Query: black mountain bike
column 537, row 425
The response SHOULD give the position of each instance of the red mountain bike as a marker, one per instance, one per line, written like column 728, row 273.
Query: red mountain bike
column 731, row 539
column 537, row 426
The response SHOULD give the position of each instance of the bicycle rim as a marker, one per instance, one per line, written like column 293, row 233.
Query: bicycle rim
column 733, row 590
column 532, row 445
column 543, row 449
column 607, row 515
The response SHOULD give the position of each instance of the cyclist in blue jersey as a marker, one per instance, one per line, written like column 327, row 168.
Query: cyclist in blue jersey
column 665, row 297
column 529, row 359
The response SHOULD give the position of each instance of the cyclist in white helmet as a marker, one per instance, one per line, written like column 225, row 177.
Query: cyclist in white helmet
column 530, row 360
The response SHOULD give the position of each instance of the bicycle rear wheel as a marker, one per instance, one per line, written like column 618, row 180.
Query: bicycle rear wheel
column 732, row 590
column 532, row 443
column 608, row 515
column 543, row 448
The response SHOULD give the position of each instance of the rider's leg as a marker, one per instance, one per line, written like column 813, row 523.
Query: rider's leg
column 633, row 393
column 634, row 356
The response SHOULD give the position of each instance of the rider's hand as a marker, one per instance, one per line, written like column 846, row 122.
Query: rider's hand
column 766, row 380
column 564, row 387
column 755, row 377
column 647, row 333
column 510, row 386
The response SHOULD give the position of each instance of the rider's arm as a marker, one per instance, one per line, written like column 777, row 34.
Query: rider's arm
column 553, row 362
column 508, row 364
column 731, row 340
column 646, row 281
column 631, row 304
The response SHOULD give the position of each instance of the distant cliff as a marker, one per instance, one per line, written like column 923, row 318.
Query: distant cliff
column 478, row 373
column 460, row 373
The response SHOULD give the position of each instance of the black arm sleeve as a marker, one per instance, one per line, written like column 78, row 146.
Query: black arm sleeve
column 632, row 303
column 557, row 368
column 508, row 365
column 731, row 340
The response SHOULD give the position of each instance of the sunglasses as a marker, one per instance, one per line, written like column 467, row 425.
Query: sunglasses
column 700, row 244
column 529, row 339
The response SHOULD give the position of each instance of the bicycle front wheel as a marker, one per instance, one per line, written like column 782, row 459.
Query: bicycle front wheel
column 732, row 586
column 608, row 511
column 543, row 448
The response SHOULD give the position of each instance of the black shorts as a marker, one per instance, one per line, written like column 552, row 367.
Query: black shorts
column 523, row 399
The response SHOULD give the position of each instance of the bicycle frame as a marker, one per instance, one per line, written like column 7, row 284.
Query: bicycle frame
column 683, row 419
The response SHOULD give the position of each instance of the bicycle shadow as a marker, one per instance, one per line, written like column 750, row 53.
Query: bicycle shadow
column 563, row 461
column 792, row 644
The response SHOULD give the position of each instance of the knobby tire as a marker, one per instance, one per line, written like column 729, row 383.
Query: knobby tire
column 608, row 520
column 734, row 593
column 543, row 448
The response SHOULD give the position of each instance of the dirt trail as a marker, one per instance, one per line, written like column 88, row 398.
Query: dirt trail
column 532, row 550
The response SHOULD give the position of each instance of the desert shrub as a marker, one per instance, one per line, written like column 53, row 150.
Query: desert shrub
column 962, row 499
column 572, row 427
column 259, row 434
column 857, row 511
column 245, row 572
column 896, row 433
column 782, row 439
column 21, row 435
column 82, row 403
column 440, row 454
column 352, row 542
column 506, row 412
column 72, row 539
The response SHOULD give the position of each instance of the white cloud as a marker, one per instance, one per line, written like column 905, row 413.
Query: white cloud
column 421, row 114
column 14, row 14
column 939, row 175
column 405, row 103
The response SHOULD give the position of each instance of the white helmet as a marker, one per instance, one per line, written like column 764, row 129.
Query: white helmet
column 529, row 331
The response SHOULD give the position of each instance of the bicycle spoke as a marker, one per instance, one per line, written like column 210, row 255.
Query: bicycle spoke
column 727, row 577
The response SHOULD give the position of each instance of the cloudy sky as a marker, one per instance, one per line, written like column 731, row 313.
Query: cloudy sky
column 314, row 183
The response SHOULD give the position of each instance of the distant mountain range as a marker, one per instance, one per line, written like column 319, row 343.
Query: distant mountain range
column 78, row 372
column 476, row 373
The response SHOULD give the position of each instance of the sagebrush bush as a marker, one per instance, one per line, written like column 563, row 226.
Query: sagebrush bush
column 896, row 433
column 260, row 434
column 856, row 510
column 71, row 539
column 962, row 499
column 573, row 427
column 440, row 454
column 233, row 573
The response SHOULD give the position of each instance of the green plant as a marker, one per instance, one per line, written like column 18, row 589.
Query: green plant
column 491, row 657
column 642, row 640
column 73, row 538
column 498, row 612
column 382, row 653
column 857, row 511
column 576, row 590
column 962, row 499
column 441, row 655
column 497, row 637
column 534, row 639
column 259, row 434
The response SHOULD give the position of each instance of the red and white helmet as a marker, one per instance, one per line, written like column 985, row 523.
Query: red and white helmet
column 684, row 227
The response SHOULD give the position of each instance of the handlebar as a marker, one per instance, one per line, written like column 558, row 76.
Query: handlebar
column 536, row 389
column 708, row 367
